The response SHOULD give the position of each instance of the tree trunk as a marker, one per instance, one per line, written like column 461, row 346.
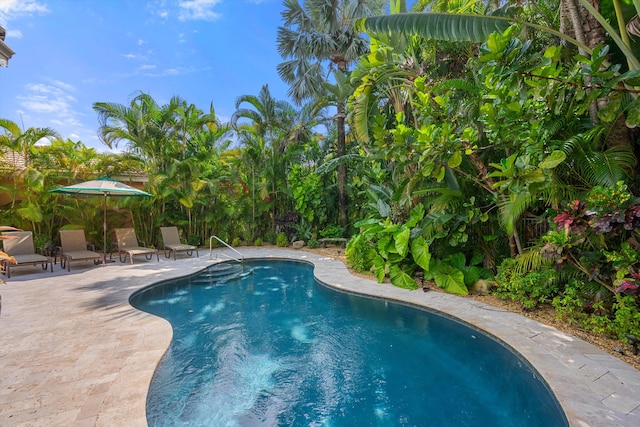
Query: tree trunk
column 588, row 31
column 343, row 216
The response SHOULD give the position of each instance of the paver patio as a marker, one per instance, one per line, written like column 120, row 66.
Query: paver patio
column 73, row 352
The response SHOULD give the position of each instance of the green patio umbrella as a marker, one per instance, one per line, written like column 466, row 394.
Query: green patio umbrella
column 103, row 187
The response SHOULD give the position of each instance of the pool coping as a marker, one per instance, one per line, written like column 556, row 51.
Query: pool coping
column 74, row 352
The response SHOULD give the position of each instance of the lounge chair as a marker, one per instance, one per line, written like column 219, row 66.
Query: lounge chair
column 21, row 248
column 128, row 245
column 73, row 247
column 171, row 242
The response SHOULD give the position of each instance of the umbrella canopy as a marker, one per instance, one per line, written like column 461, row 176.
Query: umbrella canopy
column 103, row 187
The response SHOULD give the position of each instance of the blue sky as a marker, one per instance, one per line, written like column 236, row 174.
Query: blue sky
column 72, row 53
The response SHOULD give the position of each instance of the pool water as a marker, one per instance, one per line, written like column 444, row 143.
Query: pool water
column 277, row 348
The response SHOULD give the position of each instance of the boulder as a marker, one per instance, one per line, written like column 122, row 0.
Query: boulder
column 298, row 244
column 481, row 287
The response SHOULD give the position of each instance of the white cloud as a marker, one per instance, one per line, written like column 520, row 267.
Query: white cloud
column 53, row 97
column 14, row 34
column 63, row 85
column 12, row 9
column 52, row 104
column 174, row 71
column 137, row 56
column 196, row 10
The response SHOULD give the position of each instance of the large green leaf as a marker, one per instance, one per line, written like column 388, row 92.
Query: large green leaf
column 458, row 260
column 553, row 160
column 385, row 246
column 401, row 238
column 366, row 222
column 420, row 252
column 416, row 215
column 461, row 27
column 439, row 26
column 472, row 274
column 401, row 279
column 450, row 279
column 379, row 268
column 455, row 160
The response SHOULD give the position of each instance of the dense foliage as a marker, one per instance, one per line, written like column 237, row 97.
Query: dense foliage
column 508, row 154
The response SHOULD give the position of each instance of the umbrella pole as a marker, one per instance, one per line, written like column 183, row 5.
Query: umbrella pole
column 104, row 232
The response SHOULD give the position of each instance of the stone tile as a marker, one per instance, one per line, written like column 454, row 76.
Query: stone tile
column 622, row 404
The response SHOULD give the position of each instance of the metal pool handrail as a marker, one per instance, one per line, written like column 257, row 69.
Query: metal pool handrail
column 227, row 245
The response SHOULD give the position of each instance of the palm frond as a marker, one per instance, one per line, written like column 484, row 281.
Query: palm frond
column 512, row 208
column 439, row 26
column 332, row 164
column 458, row 27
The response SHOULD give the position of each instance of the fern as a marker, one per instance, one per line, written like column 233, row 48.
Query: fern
column 590, row 165
column 530, row 260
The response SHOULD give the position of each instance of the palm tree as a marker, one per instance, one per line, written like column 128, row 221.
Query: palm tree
column 266, row 114
column 135, row 125
column 18, row 144
column 24, row 143
column 317, row 35
column 267, row 129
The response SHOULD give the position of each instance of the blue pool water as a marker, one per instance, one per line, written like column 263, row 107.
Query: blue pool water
column 276, row 348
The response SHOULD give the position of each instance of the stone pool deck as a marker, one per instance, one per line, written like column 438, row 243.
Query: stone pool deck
column 73, row 352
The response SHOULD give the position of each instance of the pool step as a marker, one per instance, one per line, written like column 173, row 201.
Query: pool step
column 221, row 273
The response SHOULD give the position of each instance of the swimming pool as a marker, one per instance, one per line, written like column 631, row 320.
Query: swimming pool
column 277, row 348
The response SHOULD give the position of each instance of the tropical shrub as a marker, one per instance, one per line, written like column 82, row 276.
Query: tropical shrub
column 236, row 242
column 270, row 237
column 193, row 239
column 617, row 320
column 360, row 253
column 397, row 253
column 281, row 240
column 308, row 193
column 595, row 238
column 591, row 266
column 332, row 230
column 302, row 231
column 530, row 288
column 258, row 242
column 313, row 244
